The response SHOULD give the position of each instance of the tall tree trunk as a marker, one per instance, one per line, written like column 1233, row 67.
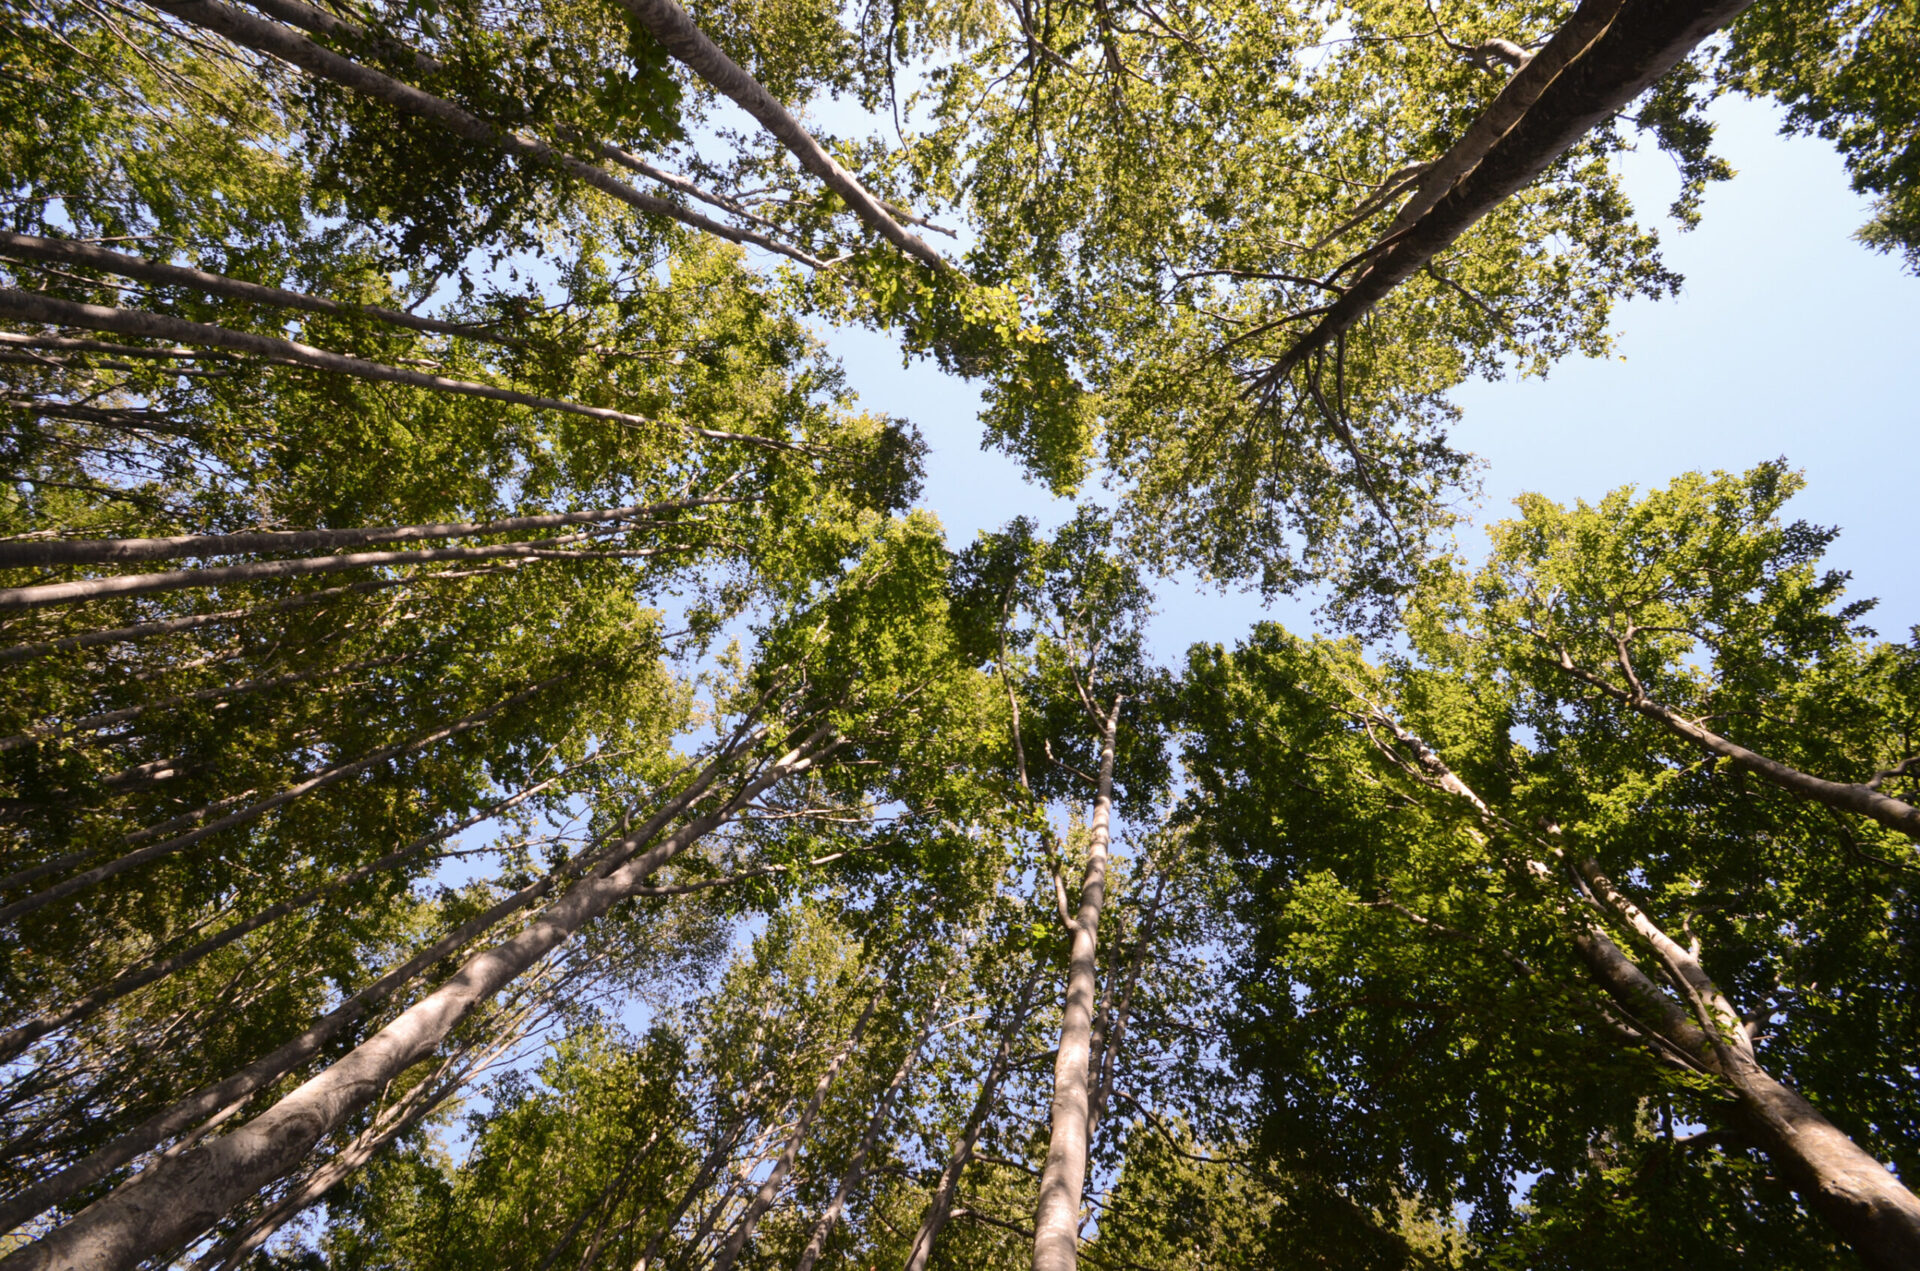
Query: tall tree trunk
column 18, row 1038
column 318, row 781
column 769, row 1189
column 857, row 1166
column 193, row 621
column 174, row 1199
column 1056, row 1227
column 266, row 37
column 1864, row 1203
column 668, row 23
column 940, row 1207
column 58, row 729
column 38, row 553
column 83, row 590
column 1642, row 41
column 69, row 252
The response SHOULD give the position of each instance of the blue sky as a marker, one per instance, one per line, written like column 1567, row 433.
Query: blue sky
column 1789, row 338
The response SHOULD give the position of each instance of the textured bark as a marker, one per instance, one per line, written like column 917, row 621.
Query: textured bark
column 769, row 1188
column 37, row 553
column 267, row 37
column 940, row 1207
column 1056, row 1240
column 1644, row 40
column 857, row 1166
column 84, row 590
column 252, row 812
column 68, row 252
column 669, row 24
column 175, row 1199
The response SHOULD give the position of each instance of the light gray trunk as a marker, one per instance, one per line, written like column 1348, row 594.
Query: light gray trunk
column 769, row 1189
column 668, row 23
column 86, row 589
column 254, row 811
column 36, row 553
column 940, row 1208
column 1056, row 1226
column 857, row 1166
column 193, row 621
column 68, row 252
column 174, row 1200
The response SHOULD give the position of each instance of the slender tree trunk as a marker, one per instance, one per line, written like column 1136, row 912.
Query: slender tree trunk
column 769, row 1189
column 224, row 1097
column 266, row 37
column 83, row 590
column 856, row 1167
column 192, row 621
column 940, row 1207
column 1846, row 796
column 18, row 1038
column 1056, row 1240
column 31, row 553
column 173, row 1201
column 68, row 252
column 1866, row 1205
column 318, row 781
column 51, row 729
column 668, row 23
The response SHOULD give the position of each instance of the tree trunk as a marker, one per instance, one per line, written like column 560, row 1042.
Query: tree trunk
column 117, row 1235
column 668, row 23
column 783, row 1165
column 856, row 1168
column 18, row 1038
column 940, row 1208
column 68, row 252
column 193, row 621
column 83, row 590
column 319, row 780
column 25, row 554
column 1644, row 40
column 1056, row 1239
column 245, row 29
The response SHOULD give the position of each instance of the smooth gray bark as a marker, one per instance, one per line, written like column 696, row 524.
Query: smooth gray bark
column 84, row 590
column 173, row 1200
column 193, row 621
column 669, row 24
column 1056, row 1226
column 769, row 1189
column 940, row 1207
column 1641, row 42
column 857, row 1166
column 1864, row 1203
column 318, row 781
column 69, row 252
column 267, row 37
column 23, row 554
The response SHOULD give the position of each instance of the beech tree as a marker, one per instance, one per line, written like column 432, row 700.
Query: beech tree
column 469, row 654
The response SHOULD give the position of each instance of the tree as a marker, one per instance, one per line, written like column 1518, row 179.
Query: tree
column 1567, row 946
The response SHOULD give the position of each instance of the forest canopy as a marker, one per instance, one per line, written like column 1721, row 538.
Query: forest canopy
column 501, row 765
